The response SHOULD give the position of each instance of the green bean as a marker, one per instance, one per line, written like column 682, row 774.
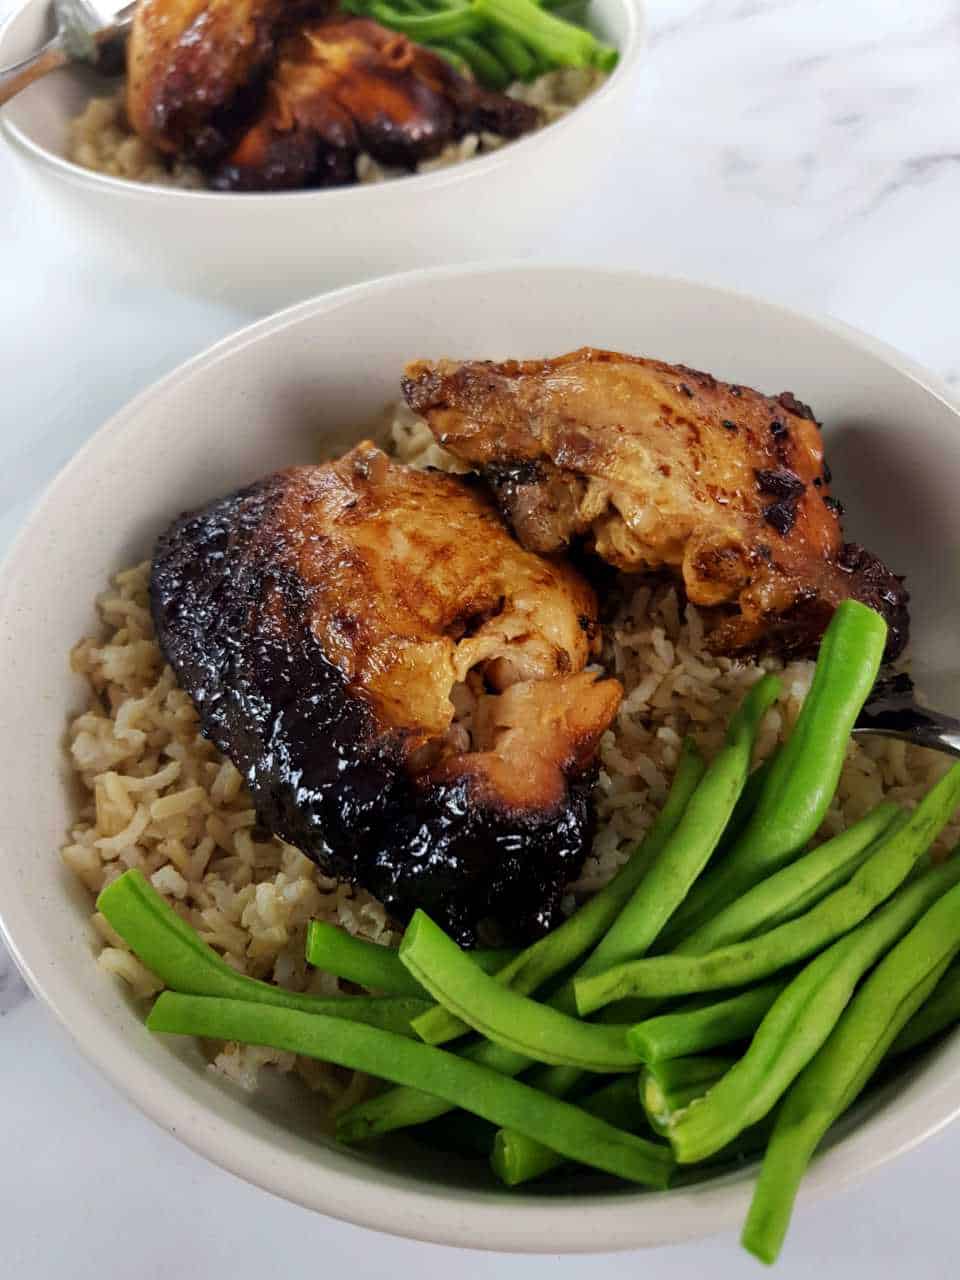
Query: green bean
column 835, row 1077
column 513, row 53
column 941, row 1011
column 443, row 25
column 483, row 1092
column 687, row 851
column 891, row 861
column 487, row 69
column 797, row 887
column 697, row 1028
column 171, row 949
column 405, row 1107
column 503, row 1015
column 799, row 1022
column 371, row 965
column 743, row 810
column 803, row 779
column 668, row 1087
column 516, row 1158
column 536, row 964
column 559, row 42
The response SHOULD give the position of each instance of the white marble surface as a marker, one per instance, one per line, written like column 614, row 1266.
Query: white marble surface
column 801, row 149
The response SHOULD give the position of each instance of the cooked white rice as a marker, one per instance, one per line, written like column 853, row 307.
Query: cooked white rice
column 161, row 798
column 101, row 138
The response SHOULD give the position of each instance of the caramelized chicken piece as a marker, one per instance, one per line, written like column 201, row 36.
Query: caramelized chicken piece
column 191, row 62
column 328, row 620
column 271, row 94
column 659, row 466
column 348, row 85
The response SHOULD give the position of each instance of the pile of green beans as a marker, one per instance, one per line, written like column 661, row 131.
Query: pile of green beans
column 798, row 1022
column 496, row 41
column 807, row 969
column 837, row 1075
column 804, row 776
column 892, row 858
column 570, row 1130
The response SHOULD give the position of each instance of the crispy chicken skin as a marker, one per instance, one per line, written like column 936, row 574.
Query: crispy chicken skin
column 660, row 466
column 267, row 94
column 326, row 620
column 349, row 85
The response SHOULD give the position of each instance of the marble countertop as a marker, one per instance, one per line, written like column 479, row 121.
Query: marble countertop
column 803, row 150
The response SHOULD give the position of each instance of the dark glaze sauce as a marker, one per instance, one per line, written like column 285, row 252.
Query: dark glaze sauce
column 324, row 773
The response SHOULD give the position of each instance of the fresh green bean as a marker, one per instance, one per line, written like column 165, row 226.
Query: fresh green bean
column 797, row 887
column 516, row 1158
column 800, row 1021
column 891, row 861
column 686, row 853
column 443, row 25
column 560, row 42
column 503, row 1015
column 405, row 1107
column 376, row 967
column 698, row 1028
column 559, row 950
column 835, row 1077
column 668, row 1087
column 467, row 55
column 487, row 68
column 941, row 1011
column 743, row 810
column 803, row 779
column 513, row 53
column 171, row 949
column 485, row 1093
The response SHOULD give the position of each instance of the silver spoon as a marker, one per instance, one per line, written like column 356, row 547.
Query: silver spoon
column 892, row 712
column 90, row 31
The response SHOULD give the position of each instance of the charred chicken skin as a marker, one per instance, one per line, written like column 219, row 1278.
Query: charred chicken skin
column 268, row 95
column 330, row 621
column 657, row 466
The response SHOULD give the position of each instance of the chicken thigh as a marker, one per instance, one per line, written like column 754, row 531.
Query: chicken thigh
column 268, row 95
column 658, row 466
column 402, row 686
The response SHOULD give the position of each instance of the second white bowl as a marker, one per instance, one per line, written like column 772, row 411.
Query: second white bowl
column 264, row 250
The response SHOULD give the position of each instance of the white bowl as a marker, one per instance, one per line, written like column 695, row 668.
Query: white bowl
column 305, row 381
column 265, row 250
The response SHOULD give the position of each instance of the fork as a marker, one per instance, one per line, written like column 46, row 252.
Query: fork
column 90, row 31
column 892, row 712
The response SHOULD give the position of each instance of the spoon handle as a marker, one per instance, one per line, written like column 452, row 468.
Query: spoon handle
column 21, row 74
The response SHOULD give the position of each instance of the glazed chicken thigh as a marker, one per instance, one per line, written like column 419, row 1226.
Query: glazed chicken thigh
column 346, row 86
column 267, row 95
column 401, row 684
column 658, row 466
